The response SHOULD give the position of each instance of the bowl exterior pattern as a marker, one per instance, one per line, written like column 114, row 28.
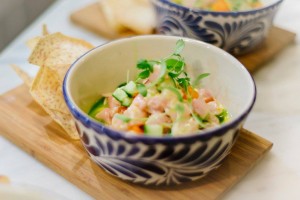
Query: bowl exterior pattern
column 235, row 32
column 152, row 161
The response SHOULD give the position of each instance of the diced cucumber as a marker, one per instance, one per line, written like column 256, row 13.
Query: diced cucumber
column 122, row 97
column 153, row 130
column 97, row 107
column 126, row 101
column 120, row 94
column 130, row 88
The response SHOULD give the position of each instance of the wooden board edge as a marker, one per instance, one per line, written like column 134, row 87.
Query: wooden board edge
column 254, row 59
column 251, row 136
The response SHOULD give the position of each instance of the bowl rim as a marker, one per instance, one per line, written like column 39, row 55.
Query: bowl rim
column 205, row 135
column 204, row 11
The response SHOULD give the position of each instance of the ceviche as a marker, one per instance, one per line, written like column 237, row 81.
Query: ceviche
column 163, row 100
column 221, row 5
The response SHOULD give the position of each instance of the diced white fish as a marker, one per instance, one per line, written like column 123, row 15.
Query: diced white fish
column 155, row 74
column 200, row 107
column 214, row 108
column 112, row 102
column 136, row 115
column 140, row 102
column 158, row 119
column 171, row 112
column 104, row 115
column 206, row 95
column 157, row 103
column 183, row 127
column 119, row 124
column 213, row 121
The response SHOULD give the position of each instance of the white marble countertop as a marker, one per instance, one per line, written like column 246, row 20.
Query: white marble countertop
column 276, row 114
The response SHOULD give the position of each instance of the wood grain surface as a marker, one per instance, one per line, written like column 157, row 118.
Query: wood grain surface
column 92, row 19
column 25, row 124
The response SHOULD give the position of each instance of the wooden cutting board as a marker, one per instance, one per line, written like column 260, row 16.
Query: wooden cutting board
column 25, row 124
column 92, row 19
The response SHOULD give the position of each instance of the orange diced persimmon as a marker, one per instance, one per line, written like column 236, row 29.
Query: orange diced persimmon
column 220, row 5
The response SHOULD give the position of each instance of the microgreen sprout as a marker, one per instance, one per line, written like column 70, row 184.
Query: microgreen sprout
column 179, row 47
column 199, row 78
column 146, row 67
column 142, row 89
column 175, row 68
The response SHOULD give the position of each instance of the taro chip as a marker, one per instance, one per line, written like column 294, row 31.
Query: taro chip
column 57, row 52
column 33, row 41
column 54, row 53
column 47, row 91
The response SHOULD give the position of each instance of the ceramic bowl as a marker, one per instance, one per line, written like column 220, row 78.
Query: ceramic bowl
column 236, row 32
column 157, row 160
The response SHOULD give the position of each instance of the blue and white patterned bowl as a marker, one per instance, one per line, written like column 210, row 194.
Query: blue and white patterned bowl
column 157, row 160
column 236, row 32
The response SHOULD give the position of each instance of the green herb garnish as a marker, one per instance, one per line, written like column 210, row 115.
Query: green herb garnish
column 179, row 47
column 142, row 89
column 199, row 78
column 184, row 82
column 146, row 67
column 172, row 66
column 223, row 116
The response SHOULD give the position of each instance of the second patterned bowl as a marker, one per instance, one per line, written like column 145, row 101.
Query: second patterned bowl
column 237, row 32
